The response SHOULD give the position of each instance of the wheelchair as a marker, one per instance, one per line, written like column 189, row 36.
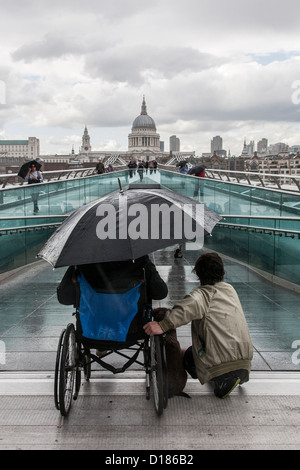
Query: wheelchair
column 74, row 353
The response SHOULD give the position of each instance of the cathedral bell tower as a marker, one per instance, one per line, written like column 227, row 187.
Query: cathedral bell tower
column 86, row 144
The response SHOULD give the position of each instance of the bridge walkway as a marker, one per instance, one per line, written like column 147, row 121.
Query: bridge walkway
column 111, row 413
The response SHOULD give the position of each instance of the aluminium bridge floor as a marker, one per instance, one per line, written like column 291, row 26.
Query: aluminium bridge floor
column 111, row 413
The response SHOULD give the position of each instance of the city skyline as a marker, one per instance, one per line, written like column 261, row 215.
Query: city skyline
column 263, row 146
column 206, row 68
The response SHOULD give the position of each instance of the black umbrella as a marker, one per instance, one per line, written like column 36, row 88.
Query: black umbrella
column 182, row 163
column 24, row 168
column 124, row 225
column 196, row 169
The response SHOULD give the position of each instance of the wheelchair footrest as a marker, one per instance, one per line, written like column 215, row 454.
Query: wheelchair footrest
column 118, row 370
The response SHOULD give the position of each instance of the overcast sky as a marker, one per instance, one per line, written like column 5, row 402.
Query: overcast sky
column 206, row 68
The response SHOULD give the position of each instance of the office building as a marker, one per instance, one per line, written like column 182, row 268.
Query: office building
column 216, row 144
column 174, row 144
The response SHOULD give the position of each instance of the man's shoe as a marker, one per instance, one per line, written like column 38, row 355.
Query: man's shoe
column 244, row 376
column 225, row 386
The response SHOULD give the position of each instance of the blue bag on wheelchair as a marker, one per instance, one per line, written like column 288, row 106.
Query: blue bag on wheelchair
column 106, row 317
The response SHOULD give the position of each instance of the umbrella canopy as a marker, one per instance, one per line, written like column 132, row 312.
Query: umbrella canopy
column 196, row 169
column 125, row 225
column 24, row 168
column 182, row 163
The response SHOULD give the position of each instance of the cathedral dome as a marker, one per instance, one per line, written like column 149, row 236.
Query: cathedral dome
column 143, row 120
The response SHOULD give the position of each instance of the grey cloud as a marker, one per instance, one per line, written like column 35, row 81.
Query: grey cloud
column 51, row 46
column 43, row 9
column 132, row 64
column 57, row 28
column 248, row 93
column 222, row 16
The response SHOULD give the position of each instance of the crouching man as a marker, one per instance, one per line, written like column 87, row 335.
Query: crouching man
column 221, row 350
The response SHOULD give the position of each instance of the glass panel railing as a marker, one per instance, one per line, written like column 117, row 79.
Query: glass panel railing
column 54, row 199
column 273, row 251
column 278, row 254
column 252, row 206
column 235, row 199
column 287, row 258
column 59, row 197
column 21, row 247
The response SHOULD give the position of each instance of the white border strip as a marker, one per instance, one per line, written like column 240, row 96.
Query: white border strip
column 34, row 384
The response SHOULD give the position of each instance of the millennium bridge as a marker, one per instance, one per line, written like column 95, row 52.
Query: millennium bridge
column 258, row 239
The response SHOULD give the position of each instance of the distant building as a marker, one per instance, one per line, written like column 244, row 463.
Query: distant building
column 294, row 148
column 86, row 142
column 214, row 162
column 250, row 147
column 262, row 146
column 274, row 165
column 218, row 163
column 216, row 144
column 174, row 144
column 25, row 149
column 144, row 141
column 143, row 144
column 245, row 151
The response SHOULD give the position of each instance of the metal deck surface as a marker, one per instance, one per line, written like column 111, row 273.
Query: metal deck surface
column 111, row 412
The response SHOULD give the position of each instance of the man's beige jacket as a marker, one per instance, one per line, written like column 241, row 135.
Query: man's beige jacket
column 220, row 336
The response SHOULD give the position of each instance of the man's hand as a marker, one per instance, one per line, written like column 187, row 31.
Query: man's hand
column 152, row 328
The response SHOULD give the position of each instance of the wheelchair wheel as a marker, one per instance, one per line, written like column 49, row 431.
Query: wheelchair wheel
column 66, row 370
column 77, row 373
column 158, row 374
column 56, row 374
column 87, row 366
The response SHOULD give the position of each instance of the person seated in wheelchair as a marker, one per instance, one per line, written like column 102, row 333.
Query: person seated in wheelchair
column 110, row 298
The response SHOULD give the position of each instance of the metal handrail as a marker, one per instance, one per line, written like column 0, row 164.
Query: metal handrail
column 25, row 217
column 245, row 176
column 266, row 217
column 262, row 230
column 211, row 173
column 28, row 228
column 224, row 216
column 249, row 228
column 57, row 174
column 238, row 175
